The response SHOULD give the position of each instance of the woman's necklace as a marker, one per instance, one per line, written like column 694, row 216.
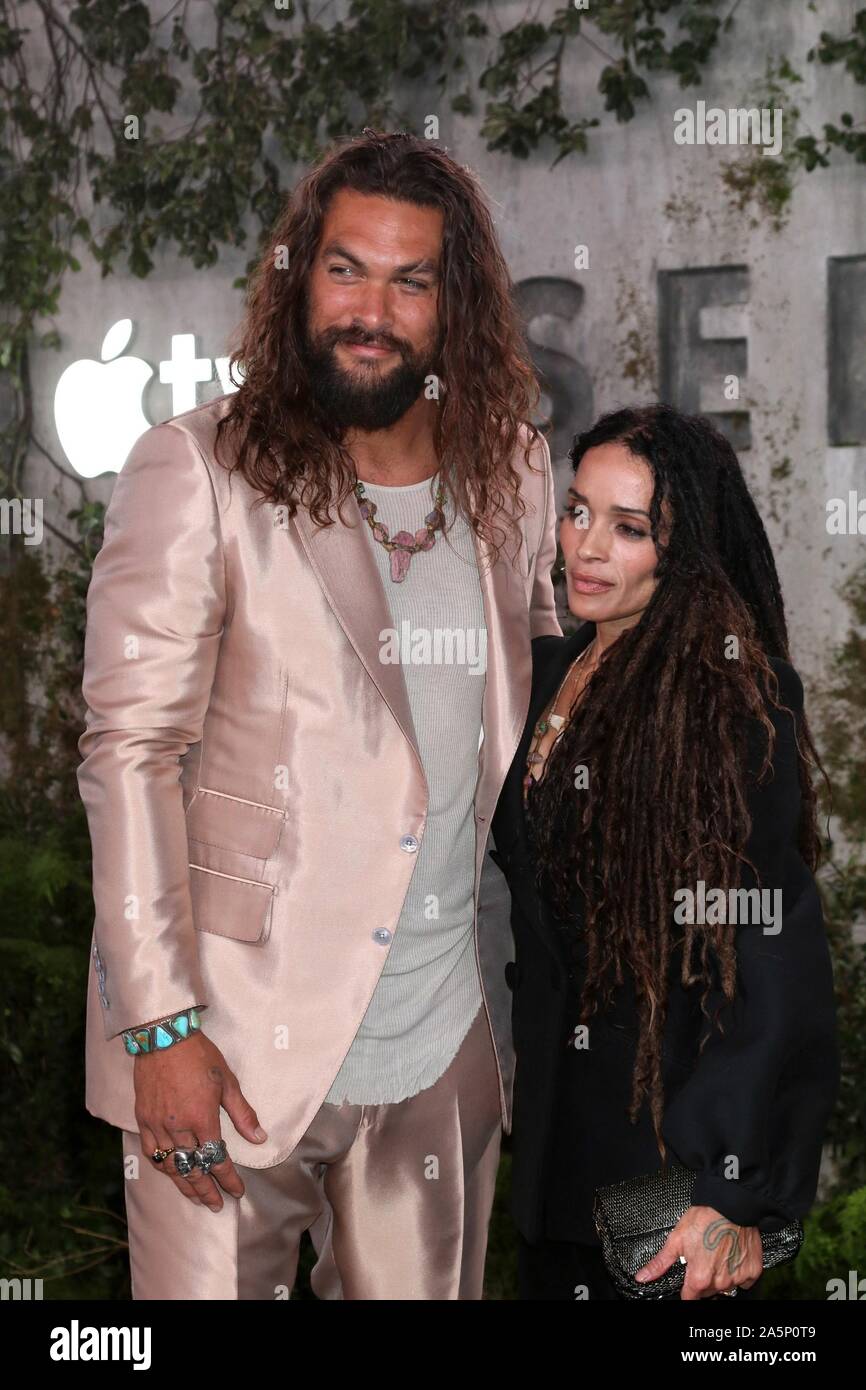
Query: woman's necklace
column 404, row 545
column 551, row 721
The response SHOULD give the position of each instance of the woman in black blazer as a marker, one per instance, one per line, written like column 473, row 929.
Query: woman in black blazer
column 674, row 771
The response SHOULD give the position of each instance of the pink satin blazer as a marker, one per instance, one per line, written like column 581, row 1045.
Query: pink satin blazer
column 251, row 776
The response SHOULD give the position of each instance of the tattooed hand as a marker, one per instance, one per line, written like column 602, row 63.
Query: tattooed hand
column 719, row 1254
column 178, row 1096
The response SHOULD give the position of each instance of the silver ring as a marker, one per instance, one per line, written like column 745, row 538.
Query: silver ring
column 185, row 1161
column 212, row 1151
column 730, row 1293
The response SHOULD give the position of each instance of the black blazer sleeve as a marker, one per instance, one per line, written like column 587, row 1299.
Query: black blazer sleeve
column 762, row 1093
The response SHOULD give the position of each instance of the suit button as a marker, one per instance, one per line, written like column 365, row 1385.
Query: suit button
column 408, row 843
column 382, row 935
column 512, row 975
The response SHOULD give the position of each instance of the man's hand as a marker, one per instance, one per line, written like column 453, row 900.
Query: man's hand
column 719, row 1254
column 178, row 1094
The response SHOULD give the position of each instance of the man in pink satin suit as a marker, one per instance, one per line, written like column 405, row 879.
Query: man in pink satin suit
column 307, row 669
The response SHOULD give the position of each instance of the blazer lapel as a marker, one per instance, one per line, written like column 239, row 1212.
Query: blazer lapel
column 344, row 565
column 512, row 842
column 549, row 672
column 509, row 664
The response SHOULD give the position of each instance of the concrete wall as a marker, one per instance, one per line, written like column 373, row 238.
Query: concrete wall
column 680, row 290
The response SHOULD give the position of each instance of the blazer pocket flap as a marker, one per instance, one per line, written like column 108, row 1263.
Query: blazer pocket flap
column 236, row 907
column 228, row 823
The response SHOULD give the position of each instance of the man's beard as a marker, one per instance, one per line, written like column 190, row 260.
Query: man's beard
column 366, row 400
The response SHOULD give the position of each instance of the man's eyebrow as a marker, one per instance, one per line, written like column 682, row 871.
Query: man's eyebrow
column 336, row 248
column 426, row 266
column 630, row 511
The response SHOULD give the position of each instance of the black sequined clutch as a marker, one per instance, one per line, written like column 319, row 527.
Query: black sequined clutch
column 634, row 1219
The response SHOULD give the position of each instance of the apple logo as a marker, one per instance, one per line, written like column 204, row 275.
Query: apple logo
column 97, row 406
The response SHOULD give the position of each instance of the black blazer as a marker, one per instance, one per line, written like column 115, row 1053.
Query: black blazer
column 761, row 1094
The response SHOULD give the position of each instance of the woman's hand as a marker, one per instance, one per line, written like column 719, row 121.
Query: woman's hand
column 719, row 1254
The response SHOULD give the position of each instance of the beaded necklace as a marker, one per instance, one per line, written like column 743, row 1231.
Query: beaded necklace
column 403, row 545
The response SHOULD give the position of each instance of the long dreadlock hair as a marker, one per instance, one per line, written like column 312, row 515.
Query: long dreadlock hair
column 663, row 729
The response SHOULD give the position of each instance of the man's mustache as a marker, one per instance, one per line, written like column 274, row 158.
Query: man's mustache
column 363, row 338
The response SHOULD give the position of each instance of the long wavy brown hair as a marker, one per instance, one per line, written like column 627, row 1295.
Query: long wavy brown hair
column 287, row 449
column 663, row 728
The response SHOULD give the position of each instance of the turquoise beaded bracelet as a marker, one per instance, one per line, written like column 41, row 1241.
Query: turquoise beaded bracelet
column 154, row 1037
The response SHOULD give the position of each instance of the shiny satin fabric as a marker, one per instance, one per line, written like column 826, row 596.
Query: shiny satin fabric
column 397, row 1199
column 250, row 773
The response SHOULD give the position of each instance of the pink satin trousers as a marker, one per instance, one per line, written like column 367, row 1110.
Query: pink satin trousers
column 397, row 1200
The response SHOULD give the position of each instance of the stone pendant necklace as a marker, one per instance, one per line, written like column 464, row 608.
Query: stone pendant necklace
column 551, row 721
column 404, row 545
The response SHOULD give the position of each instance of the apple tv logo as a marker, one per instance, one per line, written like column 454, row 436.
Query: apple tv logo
column 97, row 405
